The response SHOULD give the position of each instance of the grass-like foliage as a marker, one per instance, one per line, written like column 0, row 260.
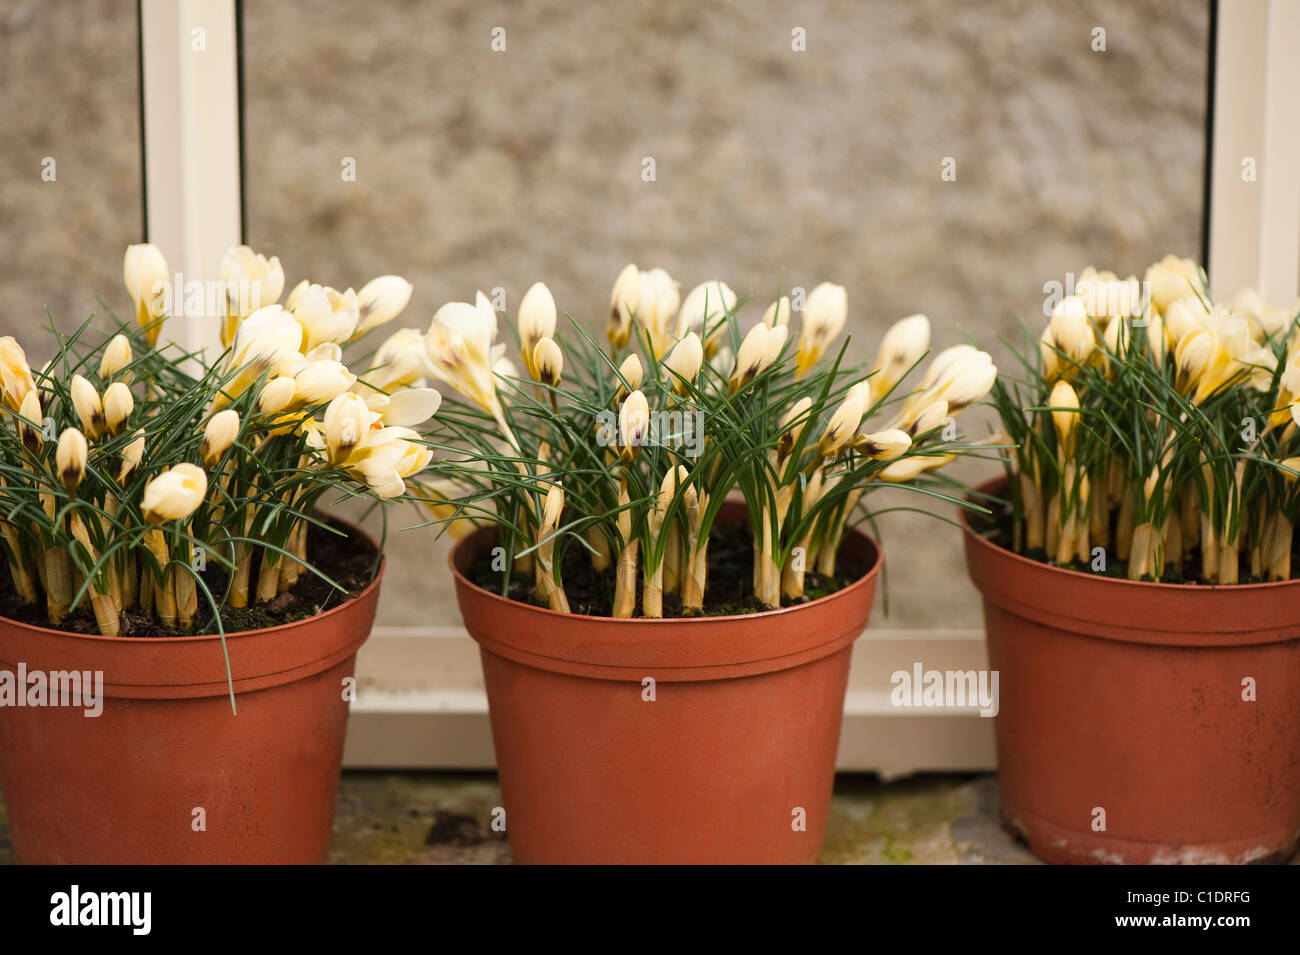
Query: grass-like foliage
column 129, row 467
column 1153, row 431
column 627, row 448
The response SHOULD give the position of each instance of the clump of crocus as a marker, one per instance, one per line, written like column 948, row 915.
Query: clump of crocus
column 627, row 450
column 147, row 483
column 1152, row 430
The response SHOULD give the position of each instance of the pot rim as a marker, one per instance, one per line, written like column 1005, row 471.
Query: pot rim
column 202, row 637
column 864, row 580
column 996, row 484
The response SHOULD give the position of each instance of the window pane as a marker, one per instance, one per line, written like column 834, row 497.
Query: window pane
column 70, row 193
column 773, row 167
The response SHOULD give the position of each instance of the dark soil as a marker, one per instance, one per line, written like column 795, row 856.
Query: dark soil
column 348, row 560
column 997, row 528
column 728, row 589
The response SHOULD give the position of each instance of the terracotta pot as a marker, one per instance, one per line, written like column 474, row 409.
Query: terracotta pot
column 1127, row 697
column 125, row 787
column 731, row 762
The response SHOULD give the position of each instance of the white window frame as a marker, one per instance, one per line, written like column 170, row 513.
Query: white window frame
column 420, row 692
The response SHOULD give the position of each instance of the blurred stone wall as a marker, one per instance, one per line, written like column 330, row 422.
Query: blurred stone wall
column 774, row 168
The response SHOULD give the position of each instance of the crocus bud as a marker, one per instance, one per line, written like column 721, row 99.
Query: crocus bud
column 883, row 445
column 346, row 421
column 1071, row 332
column 704, row 311
column 174, row 494
column 930, row 417
column 778, row 313
column 909, row 467
column 321, row 381
column 30, row 434
column 553, row 507
column 623, row 304
column 15, row 373
column 750, row 358
column 633, row 425
column 772, row 348
column 118, row 405
column 843, row 425
column 968, row 381
column 70, row 457
column 792, row 424
column 1066, row 402
column 1193, row 355
column 89, row 407
column 380, row 301
column 536, row 321
column 277, row 394
column 548, row 362
column 131, row 456
column 900, row 349
column 218, row 436
column 684, row 363
column 824, row 315
column 631, row 372
column 325, row 314
column 117, row 355
column 144, row 272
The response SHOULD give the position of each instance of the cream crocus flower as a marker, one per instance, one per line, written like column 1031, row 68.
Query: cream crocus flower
column 624, row 300
column 883, row 445
column 658, row 302
column 778, row 313
column 380, row 301
column 117, row 355
column 547, row 362
column 704, row 311
column 252, row 281
column 793, row 423
column 410, row 406
column 1172, row 279
column 1065, row 414
column 1071, row 331
column 318, row 382
column 15, row 373
column 386, row 457
column 219, row 434
column 684, row 362
column 88, row 406
column 900, row 348
column 960, row 376
column 913, row 466
column 30, row 434
column 118, row 405
column 537, row 317
column 633, row 426
column 325, row 314
column 1106, row 296
column 632, row 372
column 843, row 425
column 461, row 350
column 400, row 362
column 824, row 314
column 144, row 272
column 132, row 454
column 276, row 395
column 347, row 421
column 749, row 358
column 174, row 494
column 70, row 457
